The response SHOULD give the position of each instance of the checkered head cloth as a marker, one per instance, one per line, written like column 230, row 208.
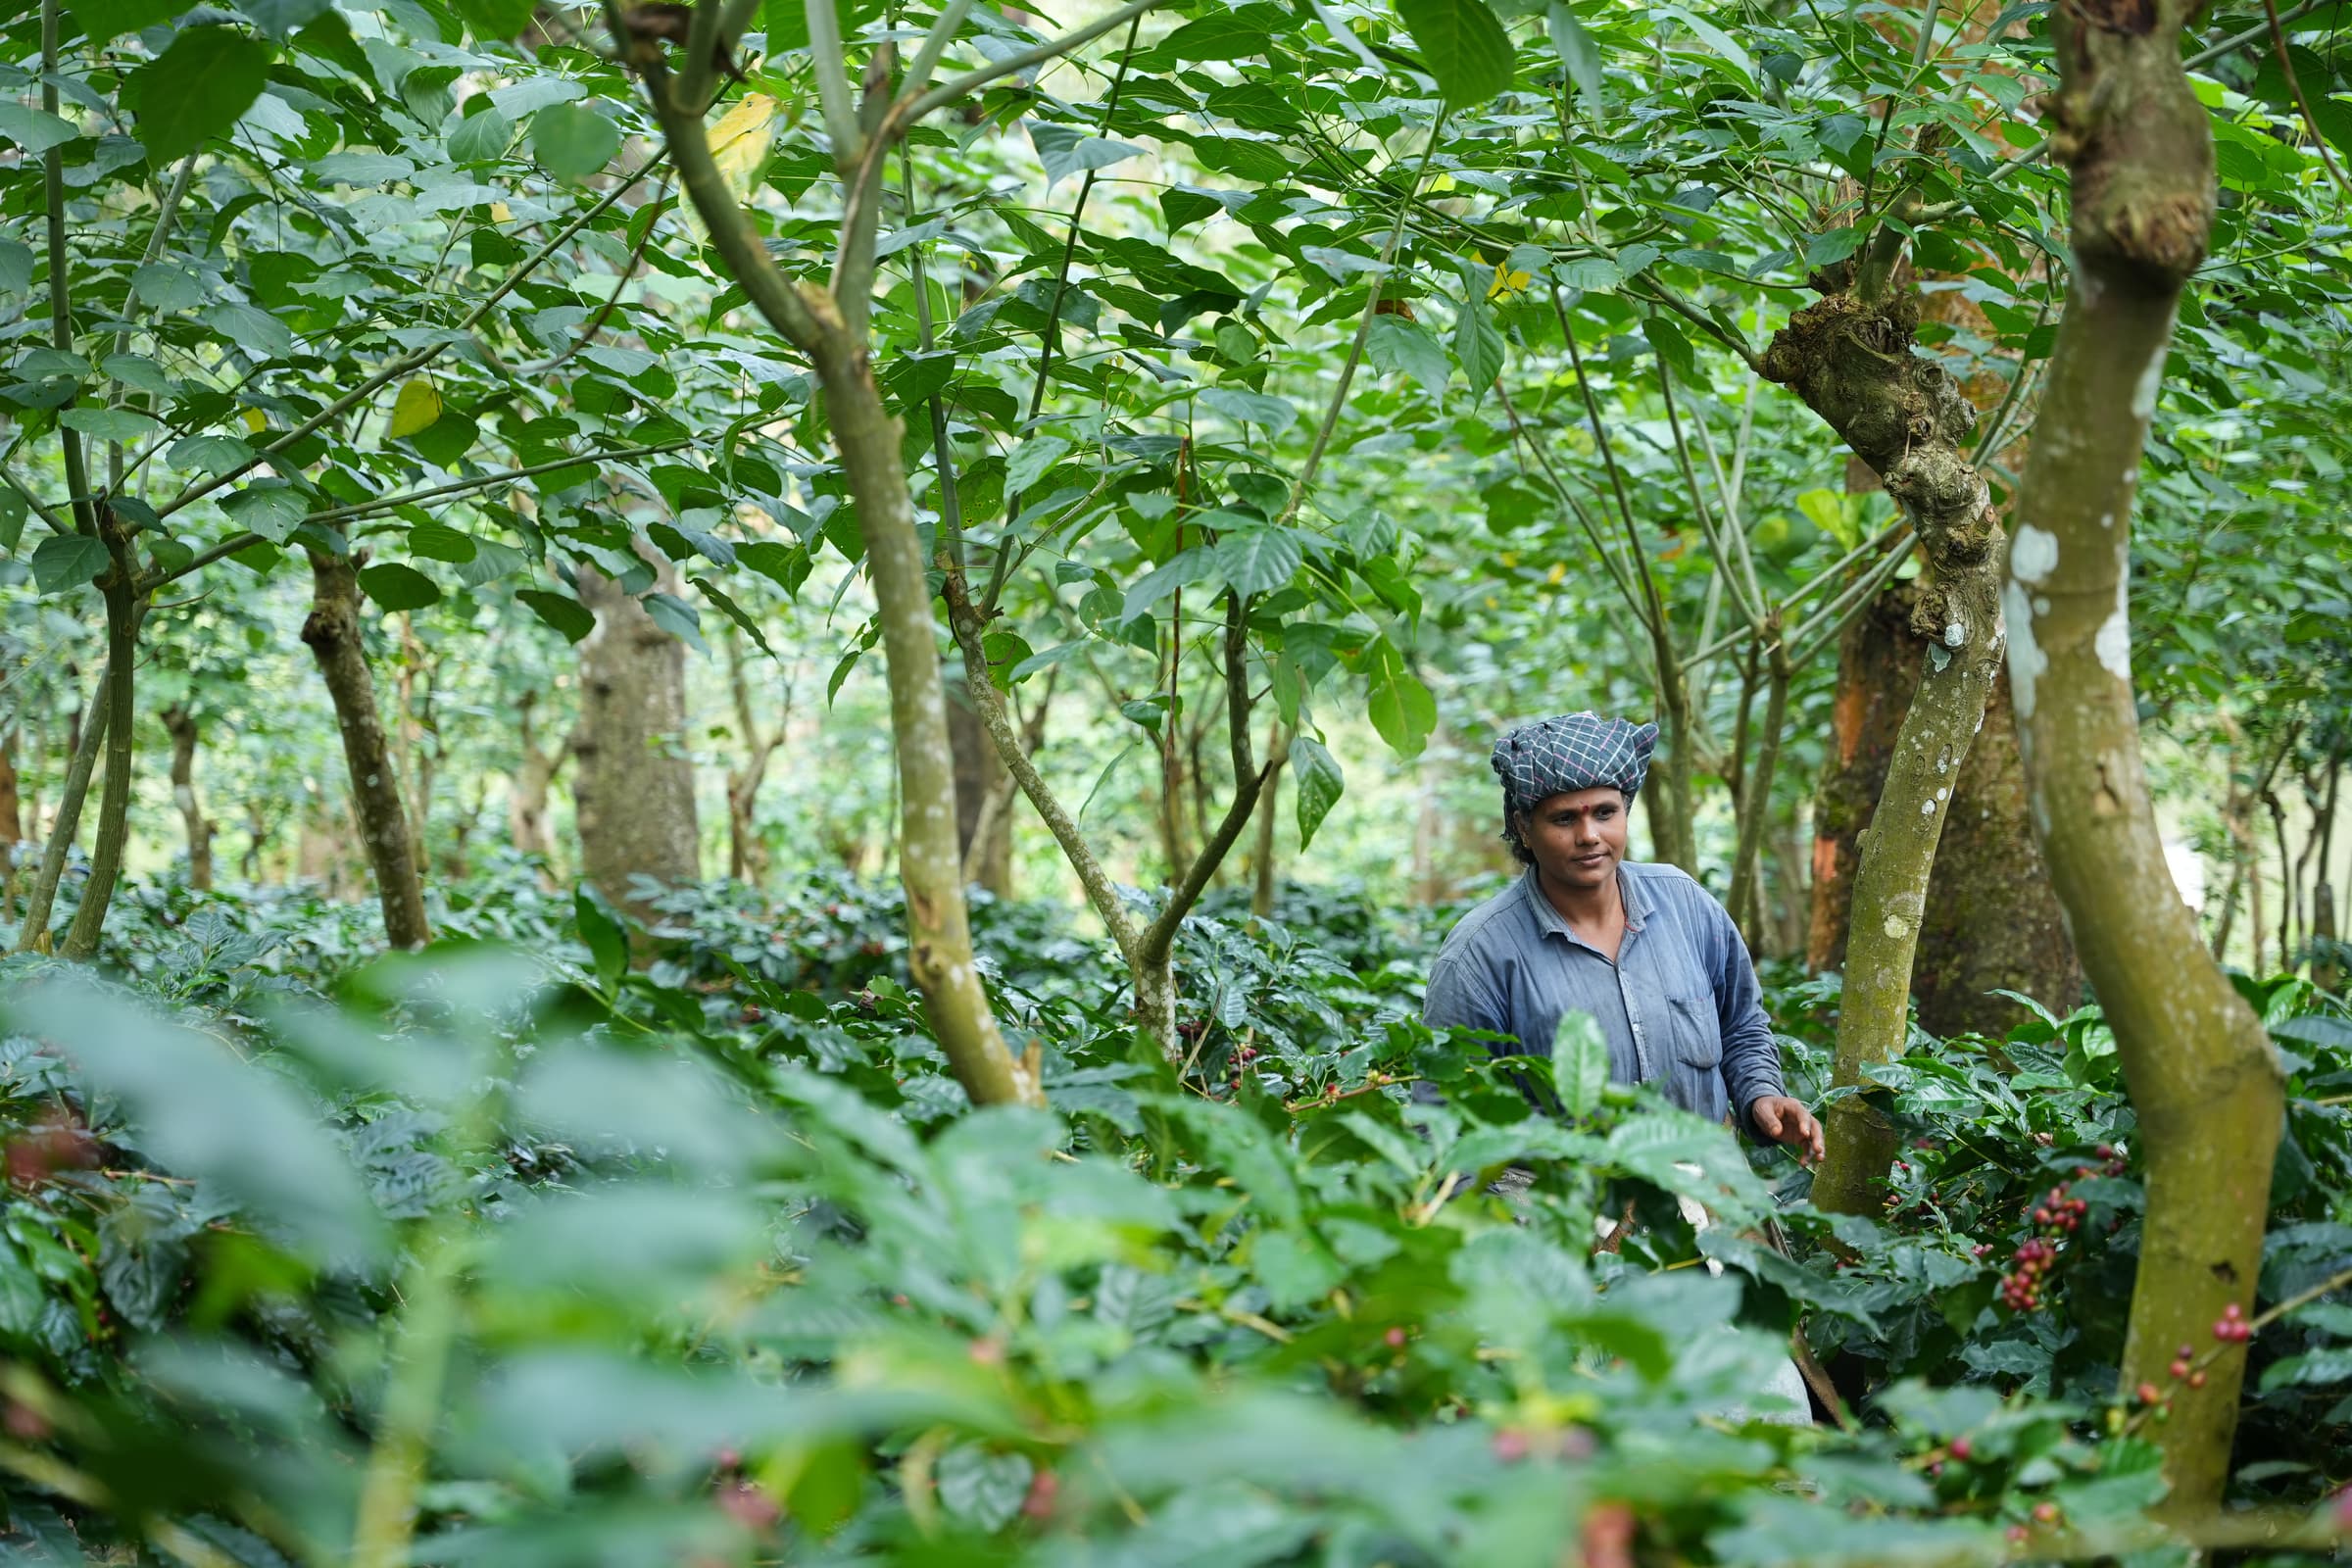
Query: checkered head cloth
column 1572, row 752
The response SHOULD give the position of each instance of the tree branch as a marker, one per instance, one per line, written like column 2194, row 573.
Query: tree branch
column 61, row 300
column 831, row 60
column 1052, row 49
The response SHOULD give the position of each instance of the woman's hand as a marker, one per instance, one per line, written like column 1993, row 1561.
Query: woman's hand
column 1787, row 1121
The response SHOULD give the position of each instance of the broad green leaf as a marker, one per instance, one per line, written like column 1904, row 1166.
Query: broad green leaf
column 1393, row 343
column 1580, row 1063
column 1030, row 462
column 1478, row 345
column 256, row 333
column 1592, row 274
column 66, row 561
column 1257, row 560
column 734, row 612
column 1715, row 38
column 396, row 587
column 34, row 131
column 1580, row 54
column 271, row 508
column 168, row 286
column 573, row 142
column 109, row 424
column 480, row 137
column 1400, row 708
column 103, row 21
column 984, row 1488
column 1463, row 45
column 195, row 90
column 498, row 19
column 1275, row 414
column 15, row 266
column 678, row 618
column 1319, row 783
column 12, row 514
column 602, row 929
column 563, row 613
column 418, row 405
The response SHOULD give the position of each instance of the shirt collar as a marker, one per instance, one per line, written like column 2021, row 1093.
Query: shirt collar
column 1547, row 918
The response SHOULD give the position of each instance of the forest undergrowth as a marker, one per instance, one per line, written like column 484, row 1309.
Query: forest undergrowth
column 511, row 1253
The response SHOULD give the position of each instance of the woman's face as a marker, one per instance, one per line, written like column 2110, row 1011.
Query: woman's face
column 1577, row 838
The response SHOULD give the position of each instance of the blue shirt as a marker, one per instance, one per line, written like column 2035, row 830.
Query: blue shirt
column 1680, row 1009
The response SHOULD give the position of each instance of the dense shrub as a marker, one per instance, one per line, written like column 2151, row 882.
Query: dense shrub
column 709, row 1261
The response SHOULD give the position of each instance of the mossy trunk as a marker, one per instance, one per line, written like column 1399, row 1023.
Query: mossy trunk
column 332, row 634
column 1850, row 358
column 2200, row 1071
column 1991, row 921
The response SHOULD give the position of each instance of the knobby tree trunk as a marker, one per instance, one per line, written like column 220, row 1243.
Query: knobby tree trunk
column 12, row 816
column 182, row 726
column 1850, row 358
column 1992, row 920
column 634, row 788
column 2201, row 1073
column 332, row 633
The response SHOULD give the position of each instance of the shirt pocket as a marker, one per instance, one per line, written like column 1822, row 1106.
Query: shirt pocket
column 1697, row 1035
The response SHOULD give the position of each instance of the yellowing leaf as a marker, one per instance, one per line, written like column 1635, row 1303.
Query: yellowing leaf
column 739, row 142
column 1507, row 281
column 1559, row 570
column 501, row 213
column 256, row 421
column 416, row 407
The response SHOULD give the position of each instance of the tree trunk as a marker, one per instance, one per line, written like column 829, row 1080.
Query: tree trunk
column 260, row 828
column 181, row 725
column 747, row 851
column 12, row 818
column 124, row 607
column 988, row 856
column 1991, row 920
column 535, row 770
column 634, row 788
column 1755, row 804
column 332, row 634
column 938, row 931
column 2201, row 1072
column 1850, row 358
column 1269, row 818
column 32, row 932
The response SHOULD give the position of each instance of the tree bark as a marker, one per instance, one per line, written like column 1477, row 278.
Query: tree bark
column 1756, row 804
column 634, row 787
column 938, row 931
column 747, row 851
column 12, row 816
column 1850, row 358
column 32, row 932
column 1991, row 920
column 2201, row 1072
column 182, row 726
column 1262, row 881
column 125, row 606
column 535, row 770
column 333, row 636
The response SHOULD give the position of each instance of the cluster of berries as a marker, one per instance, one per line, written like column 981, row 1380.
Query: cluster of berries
column 2056, row 1216
column 1242, row 1058
column 2021, row 1289
column 2232, row 1326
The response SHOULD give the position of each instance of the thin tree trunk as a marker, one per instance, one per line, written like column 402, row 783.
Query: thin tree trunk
column 746, row 853
column 333, row 636
column 634, row 788
column 939, row 932
column 1850, row 357
column 535, row 772
column 1269, row 816
column 2325, row 972
column 1756, row 804
column 2200, row 1069
column 33, row 934
column 1991, row 921
column 182, row 726
column 122, row 615
column 988, row 857
column 12, row 818
column 2289, row 891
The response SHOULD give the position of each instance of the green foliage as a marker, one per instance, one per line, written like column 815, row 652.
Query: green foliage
column 733, row 1268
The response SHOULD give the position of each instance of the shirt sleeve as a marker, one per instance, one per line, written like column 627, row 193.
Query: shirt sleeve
column 1751, row 1057
column 1460, row 998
